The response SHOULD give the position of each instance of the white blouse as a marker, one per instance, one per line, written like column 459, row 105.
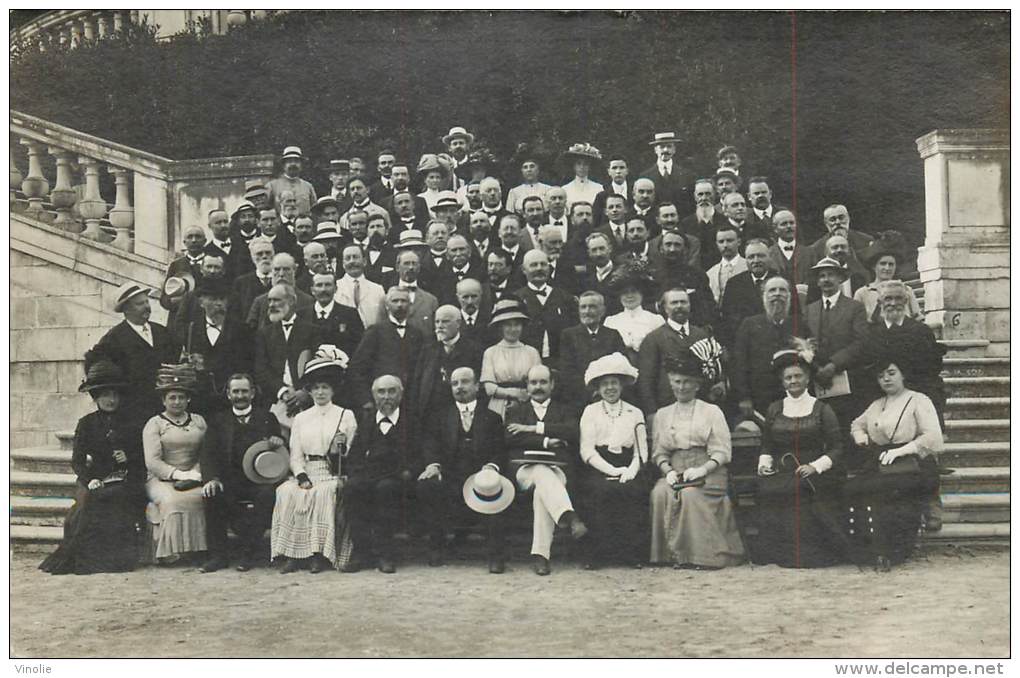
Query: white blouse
column 615, row 426
column 918, row 430
column 634, row 325
column 581, row 191
column 312, row 432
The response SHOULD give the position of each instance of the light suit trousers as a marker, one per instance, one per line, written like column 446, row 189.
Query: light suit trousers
column 549, row 502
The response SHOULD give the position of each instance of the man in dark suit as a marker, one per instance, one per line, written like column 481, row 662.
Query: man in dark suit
column 429, row 388
column 614, row 223
column 138, row 347
column 384, row 185
column 583, row 343
column 516, row 242
column 703, row 223
column 754, row 383
column 187, row 307
column 743, row 296
column 561, row 270
column 550, row 428
column 619, row 184
column 673, row 338
column 837, row 222
column 498, row 273
column 406, row 211
column 383, row 460
column 551, row 309
column 600, row 267
column 837, row 247
column 839, row 326
column 243, row 229
column 390, row 346
column 759, row 195
column 435, row 263
column 188, row 265
column 282, row 347
column 459, row 267
column 789, row 256
column 421, row 313
column 249, row 286
column 231, row 498
column 645, row 201
column 222, row 245
column 674, row 271
column 283, row 240
column 338, row 325
column 735, row 208
column 283, row 271
column 475, row 313
column 380, row 257
column 671, row 182
column 462, row 437
column 667, row 218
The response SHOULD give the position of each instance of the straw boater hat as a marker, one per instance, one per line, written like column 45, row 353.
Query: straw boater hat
column 126, row 292
column 245, row 205
column 340, row 165
column 265, row 464
column 177, row 286
column 292, row 152
column 102, row 374
column 177, row 378
column 828, row 263
column 458, row 132
column 326, row 231
column 488, row 492
column 325, row 201
column 664, row 138
column 410, row 238
column 446, row 199
column 583, row 152
column 614, row 364
column 508, row 309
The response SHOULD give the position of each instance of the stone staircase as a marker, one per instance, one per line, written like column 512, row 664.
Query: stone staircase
column 975, row 496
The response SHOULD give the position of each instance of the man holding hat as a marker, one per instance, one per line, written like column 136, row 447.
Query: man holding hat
column 138, row 347
column 463, row 453
column 243, row 458
column 189, row 265
column 292, row 160
column 671, row 182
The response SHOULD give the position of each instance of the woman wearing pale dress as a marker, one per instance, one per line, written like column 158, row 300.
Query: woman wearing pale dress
column 632, row 283
column 692, row 525
column 900, row 425
column 433, row 172
column 581, row 188
column 614, row 449
column 505, row 364
column 171, row 442
column 884, row 261
column 307, row 525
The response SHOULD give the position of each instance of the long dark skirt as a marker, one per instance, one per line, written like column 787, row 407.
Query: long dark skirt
column 99, row 531
column 804, row 529
column 617, row 518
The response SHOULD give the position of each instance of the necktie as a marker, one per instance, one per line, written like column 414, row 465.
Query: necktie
column 470, row 321
column 385, row 425
column 466, row 417
column 147, row 334
column 558, row 222
column 242, row 418
column 619, row 233
column 264, row 281
column 828, row 305
column 682, row 332
column 357, row 293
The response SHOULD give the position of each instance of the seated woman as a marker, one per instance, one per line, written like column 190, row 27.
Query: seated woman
column 306, row 515
column 505, row 365
column 633, row 283
column 800, row 521
column 614, row 448
column 692, row 525
column 899, row 428
column 884, row 259
column 99, row 531
column 172, row 441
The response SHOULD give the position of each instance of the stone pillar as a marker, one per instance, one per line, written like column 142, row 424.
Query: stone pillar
column 122, row 216
column 964, row 263
column 35, row 187
column 63, row 196
column 89, row 25
column 103, row 25
column 118, row 21
column 15, row 179
column 92, row 206
column 153, row 217
column 75, row 34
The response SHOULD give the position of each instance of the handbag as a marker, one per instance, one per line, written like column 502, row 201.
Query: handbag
column 784, row 483
column 875, row 477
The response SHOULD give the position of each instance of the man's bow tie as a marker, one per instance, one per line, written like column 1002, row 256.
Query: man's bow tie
column 542, row 292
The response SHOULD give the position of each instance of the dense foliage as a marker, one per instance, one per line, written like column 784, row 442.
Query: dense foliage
column 352, row 83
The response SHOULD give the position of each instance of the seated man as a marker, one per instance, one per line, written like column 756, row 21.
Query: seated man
column 231, row 498
column 382, row 459
column 541, row 440
column 461, row 439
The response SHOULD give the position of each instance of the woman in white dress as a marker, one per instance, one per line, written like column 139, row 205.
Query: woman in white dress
column 307, row 522
column 433, row 172
column 633, row 283
column 582, row 189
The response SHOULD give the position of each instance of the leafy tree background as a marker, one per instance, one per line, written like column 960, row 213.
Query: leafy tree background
column 353, row 83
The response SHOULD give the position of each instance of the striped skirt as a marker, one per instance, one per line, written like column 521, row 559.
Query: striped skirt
column 306, row 522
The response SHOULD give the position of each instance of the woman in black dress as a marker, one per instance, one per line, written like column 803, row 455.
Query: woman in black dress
column 99, row 531
column 799, row 492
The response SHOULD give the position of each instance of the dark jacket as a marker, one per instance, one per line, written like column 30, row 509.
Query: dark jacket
column 139, row 362
column 227, row 439
column 560, row 422
column 557, row 314
column 750, row 359
column 577, row 349
column 440, row 442
column 430, row 385
column 342, row 327
column 374, row 456
column 653, row 384
column 273, row 351
column 383, row 351
column 96, row 436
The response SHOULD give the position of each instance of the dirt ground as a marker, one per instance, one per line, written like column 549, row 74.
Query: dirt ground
column 954, row 603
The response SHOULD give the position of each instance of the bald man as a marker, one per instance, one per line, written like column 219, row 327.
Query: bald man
column 187, row 266
column 429, row 389
column 551, row 309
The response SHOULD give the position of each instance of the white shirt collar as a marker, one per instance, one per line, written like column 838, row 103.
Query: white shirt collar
column 677, row 326
column 451, row 342
column 136, row 328
column 513, row 250
column 834, row 298
column 467, row 407
column 319, row 308
column 540, row 408
column 395, row 321
column 393, row 417
column 889, row 325
column 241, row 413
column 767, row 212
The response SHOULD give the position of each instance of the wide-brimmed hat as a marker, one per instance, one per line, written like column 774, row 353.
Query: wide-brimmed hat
column 446, row 199
column 488, row 492
column 253, row 188
column 430, row 162
column 583, row 152
column 325, row 201
column 102, row 374
column 614, row 364
column 177, row 378
column 684, row 364
column 889, row 245
column 177, row 286
column 664, row 138
column 126, row 292
column 508, row 309
column 458, row 132
column 326, row 230
column 828, row 263
column 635, row 274
column 265, row 464
column 476, row 158
column 325, row 369
column 410, row 238
column 292, row 152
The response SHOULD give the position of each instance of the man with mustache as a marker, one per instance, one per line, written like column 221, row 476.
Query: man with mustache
column 282, row 347
column 291, row 180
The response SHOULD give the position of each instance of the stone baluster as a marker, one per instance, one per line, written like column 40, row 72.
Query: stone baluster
column 236, row 17
column 75, row 34
column 135, row 17
column 15, row 179
column 118, row 21
column 258, row 14
column 63, row 196
column 65, row 36
column 92, row 206
column 103, row 26
column 89, row 26
column 122, row 216
column 35, row 187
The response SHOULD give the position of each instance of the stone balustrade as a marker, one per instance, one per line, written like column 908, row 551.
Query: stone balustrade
column 156, row 197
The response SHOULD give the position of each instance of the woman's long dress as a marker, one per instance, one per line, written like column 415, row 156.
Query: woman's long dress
column 313, row 521
column 176, row 519
column 803, row 529
column 507, row 365
column 99, row 531
column 699, row 527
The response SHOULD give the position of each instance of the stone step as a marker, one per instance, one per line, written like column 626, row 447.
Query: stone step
column 42, row 484
column 66, row 439
column 41, row 459
column 977, row 387
column 971, row 533
column 977, row 408
column 956, row 366
column 977, row 430
column 975, row 508
column 965, row 348
column 976, row 479
column 35, row 538
column 969, row 455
